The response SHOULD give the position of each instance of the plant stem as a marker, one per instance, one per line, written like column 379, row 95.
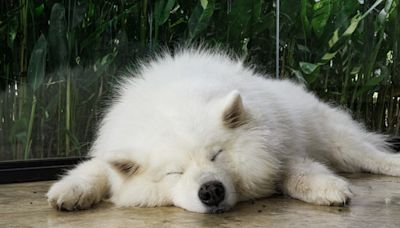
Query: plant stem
column 68, row 114
column 30, row 126
column 143, row 21
column 24, row 12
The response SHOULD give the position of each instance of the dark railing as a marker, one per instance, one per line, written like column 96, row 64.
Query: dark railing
column 35, row 170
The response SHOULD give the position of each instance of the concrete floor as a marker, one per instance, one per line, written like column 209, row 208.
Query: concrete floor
column 376, row 204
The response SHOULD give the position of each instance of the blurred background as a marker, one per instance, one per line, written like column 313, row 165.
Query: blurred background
column 59, row 60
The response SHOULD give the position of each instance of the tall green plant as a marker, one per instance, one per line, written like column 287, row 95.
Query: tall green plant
column 59, row 61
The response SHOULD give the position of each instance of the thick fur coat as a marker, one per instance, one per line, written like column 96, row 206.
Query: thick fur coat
column 201, row 131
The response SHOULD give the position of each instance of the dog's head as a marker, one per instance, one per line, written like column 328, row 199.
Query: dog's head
column 203, row 157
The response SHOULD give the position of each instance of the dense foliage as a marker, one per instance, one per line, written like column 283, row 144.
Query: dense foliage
column 59, row 59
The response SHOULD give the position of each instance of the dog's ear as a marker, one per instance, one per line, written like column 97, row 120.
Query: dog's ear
column 125, row 167
column 234, row 114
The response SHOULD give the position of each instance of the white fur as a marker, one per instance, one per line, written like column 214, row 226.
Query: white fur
column 168, row 118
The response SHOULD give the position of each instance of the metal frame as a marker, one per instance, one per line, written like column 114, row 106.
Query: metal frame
column 36, row 170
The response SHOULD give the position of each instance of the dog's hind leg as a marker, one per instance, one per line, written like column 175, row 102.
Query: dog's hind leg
column 357, row 154
column 313, row 182
column 350, row 148
column 82, row 187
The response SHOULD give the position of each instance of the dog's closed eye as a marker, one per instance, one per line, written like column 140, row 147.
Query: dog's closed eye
column 216, row 155
column 174, row 173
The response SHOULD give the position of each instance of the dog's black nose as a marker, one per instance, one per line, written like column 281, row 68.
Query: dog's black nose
column 212, row 193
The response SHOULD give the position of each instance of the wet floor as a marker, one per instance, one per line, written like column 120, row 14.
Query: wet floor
column 376, row 204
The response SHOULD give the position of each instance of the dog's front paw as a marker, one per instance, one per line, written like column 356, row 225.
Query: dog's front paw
column 321, row 189
column 331, row 191
column 72, row 194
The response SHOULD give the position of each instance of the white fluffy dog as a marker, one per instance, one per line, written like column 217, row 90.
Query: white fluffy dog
column 200, row 131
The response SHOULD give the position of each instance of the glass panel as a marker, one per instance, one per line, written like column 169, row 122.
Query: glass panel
column 59, row 61
column 347, row 52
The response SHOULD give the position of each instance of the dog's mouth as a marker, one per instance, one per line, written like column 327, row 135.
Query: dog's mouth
column 218, row 210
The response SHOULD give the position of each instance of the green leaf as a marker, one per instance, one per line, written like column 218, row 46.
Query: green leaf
column 39, row 9
column 21, row 137
column 204, row 3
column 94, row 36
column 303, row 48
column 312, row 78
column 102, row 64
column 37, row 63
column 299, row 76
column 328, row 56
column 12, row 28
column 338, row 38
column 355, row 70
column 78, row 14
column 321, row 14
column 384, row 13
column 308, row 68
column 374, row 81
column 304, row 17
column 352, row 27
column 334, row 38
column 369, row 85
column 57, row 37
column 200, row 18
column 162, row 10
column 18, row 130
column 239, row 19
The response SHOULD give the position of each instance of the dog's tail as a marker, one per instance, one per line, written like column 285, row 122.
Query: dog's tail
column 394, row 143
